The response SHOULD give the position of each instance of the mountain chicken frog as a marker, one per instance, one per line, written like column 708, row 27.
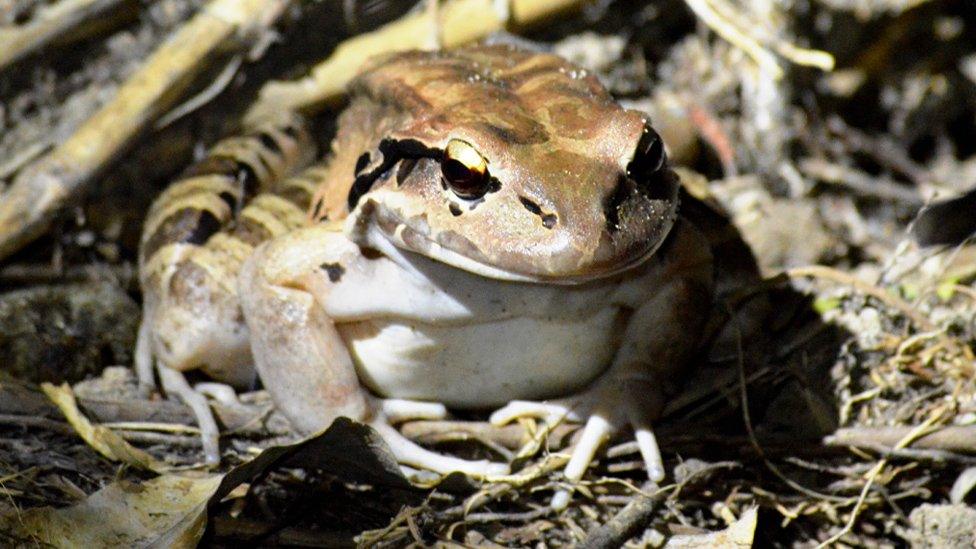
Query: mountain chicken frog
column 491, row 231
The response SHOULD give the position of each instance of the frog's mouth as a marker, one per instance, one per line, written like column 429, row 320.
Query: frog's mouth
column 374, row 226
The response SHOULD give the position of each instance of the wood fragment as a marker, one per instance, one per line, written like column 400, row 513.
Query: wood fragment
column 61, row 22
column 41, row 189
column 954, row 438
column 626, row 523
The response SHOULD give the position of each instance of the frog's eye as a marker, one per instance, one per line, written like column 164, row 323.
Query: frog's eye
column 465, row 170
column 649, row 156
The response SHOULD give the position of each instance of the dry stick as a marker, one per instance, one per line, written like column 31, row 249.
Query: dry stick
column 41, row 189
column 62, row 22
column 957, row 438
column 860, row 183
column 909, row 438
column 460, row 21
column 626, row 523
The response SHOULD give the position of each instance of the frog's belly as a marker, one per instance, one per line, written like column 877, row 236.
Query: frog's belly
column 482, row 365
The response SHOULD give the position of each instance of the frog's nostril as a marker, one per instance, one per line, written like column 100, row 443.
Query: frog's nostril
column 548, row 219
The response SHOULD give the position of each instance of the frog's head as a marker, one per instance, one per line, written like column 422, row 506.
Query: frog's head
column 513, row 166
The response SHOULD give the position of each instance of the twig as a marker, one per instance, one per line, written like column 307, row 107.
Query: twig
column 40, row 190
column 35, row 422
column 626, row 523
column 509, row 517
column 881, row 148
column 31, row 273
column 64, row 21
column 952, row 438
column 909, row 438
column 860, row 183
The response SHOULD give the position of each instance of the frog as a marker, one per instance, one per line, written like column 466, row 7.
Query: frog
column 490, row 231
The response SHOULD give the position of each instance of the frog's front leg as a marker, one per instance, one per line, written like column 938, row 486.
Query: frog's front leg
column 300, row 354
column 661, row 336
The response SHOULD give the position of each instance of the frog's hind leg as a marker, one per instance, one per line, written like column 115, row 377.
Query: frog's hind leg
column 197, row 235
column 300, row 354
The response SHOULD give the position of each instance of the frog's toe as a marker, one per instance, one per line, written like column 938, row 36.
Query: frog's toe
column 409, row 453
column 647, row 444
column 221, row 392
column 596, row 432
column 551, row 413
column 175, row 384
column 396, row 410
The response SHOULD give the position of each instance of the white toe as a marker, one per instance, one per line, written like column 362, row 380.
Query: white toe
column 651, row 453
column 551, row 413
column 221, row 392
column 397, row 410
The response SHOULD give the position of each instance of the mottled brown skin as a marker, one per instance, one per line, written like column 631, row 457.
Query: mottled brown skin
column 556, row 144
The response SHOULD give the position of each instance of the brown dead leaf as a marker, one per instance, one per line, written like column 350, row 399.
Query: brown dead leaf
column 738, row 535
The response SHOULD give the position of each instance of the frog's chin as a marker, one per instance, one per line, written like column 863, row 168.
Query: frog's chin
column 372, row 225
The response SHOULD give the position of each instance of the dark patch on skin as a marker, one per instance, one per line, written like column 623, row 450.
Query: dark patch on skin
column 292, row 130
column 405, row 169
column 461, row 244
column 269, row 142
column 297, row 195
column 548, row 219
column 530, row 205
column 189, row 226
column 229, row 199
column 393, row 151
column 250, row 231
column 455, row 209
column 229, row 166
column 362, row 162
column 334, row 270
column 317, row 210
column 264, row 163
column 188, row 280
column 531, row 133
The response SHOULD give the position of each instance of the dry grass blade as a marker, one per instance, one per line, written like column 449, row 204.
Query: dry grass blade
column 101, row 438
column 460, row 22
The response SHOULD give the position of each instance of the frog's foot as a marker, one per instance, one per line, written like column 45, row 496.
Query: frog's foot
column 175, row 384
column 605, row 415
column 407, row 452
